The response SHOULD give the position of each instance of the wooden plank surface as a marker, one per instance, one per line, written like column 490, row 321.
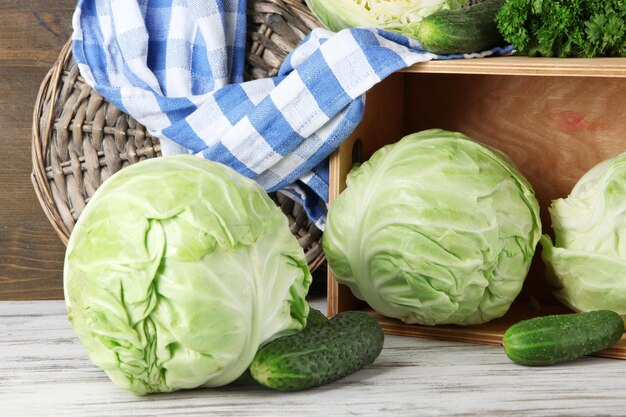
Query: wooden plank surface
column 517, row 65
column 31, row 255
column 45, row 371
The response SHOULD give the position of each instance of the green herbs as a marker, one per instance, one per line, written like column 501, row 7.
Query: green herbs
column 565, row 28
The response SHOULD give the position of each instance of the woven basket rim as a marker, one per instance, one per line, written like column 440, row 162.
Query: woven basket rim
column 52, row 85
column 40, row 144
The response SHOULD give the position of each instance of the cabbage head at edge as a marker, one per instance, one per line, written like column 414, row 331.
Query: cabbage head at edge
column 586, row 264
column 177, row 271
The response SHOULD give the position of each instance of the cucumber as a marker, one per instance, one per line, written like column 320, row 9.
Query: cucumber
column 550, row 340
column 315, row 317
column 319, row 354
column 465, row 30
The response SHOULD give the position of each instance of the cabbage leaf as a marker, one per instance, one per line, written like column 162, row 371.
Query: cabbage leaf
column 586, row 264
column 399, row 16
column 434, row 229
column 177, row 271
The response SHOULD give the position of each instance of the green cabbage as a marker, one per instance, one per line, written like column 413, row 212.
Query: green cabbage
column 587, row 262
column 434, row 229
column 177, row 270
column 399, row 16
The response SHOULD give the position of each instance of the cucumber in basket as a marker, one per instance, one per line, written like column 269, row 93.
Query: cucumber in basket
column 323, row 352
column 550, row 340
column 465, row 30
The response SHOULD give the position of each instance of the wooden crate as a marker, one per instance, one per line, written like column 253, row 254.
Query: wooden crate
column 556, row 118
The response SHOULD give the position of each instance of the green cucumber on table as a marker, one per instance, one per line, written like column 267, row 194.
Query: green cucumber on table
column 321, row 353
column 554, row 339
column 465, row 30
column 315, row 318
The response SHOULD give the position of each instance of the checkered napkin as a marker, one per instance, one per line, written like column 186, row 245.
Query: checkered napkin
column 176, row 66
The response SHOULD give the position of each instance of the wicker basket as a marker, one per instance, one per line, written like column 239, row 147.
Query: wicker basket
column 80, row 139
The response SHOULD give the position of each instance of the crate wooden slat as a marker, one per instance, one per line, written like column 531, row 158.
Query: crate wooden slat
column 518, row 65
column 555, row 118
column 489, row 333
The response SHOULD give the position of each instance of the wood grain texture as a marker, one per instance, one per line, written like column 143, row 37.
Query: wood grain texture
column 554, row 128
column 489, row 333
column 519, row 65
column 381, row 121
column 31, row 255
column 45, row 372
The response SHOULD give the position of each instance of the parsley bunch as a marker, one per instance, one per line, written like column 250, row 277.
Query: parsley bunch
column 564, row 28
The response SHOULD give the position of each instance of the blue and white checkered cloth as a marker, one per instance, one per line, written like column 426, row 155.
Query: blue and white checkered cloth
column 177, row 66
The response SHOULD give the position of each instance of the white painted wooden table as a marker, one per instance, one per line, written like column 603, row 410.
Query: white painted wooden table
column 44, row 371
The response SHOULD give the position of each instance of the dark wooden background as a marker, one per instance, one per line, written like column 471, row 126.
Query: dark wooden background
column 32, row 33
